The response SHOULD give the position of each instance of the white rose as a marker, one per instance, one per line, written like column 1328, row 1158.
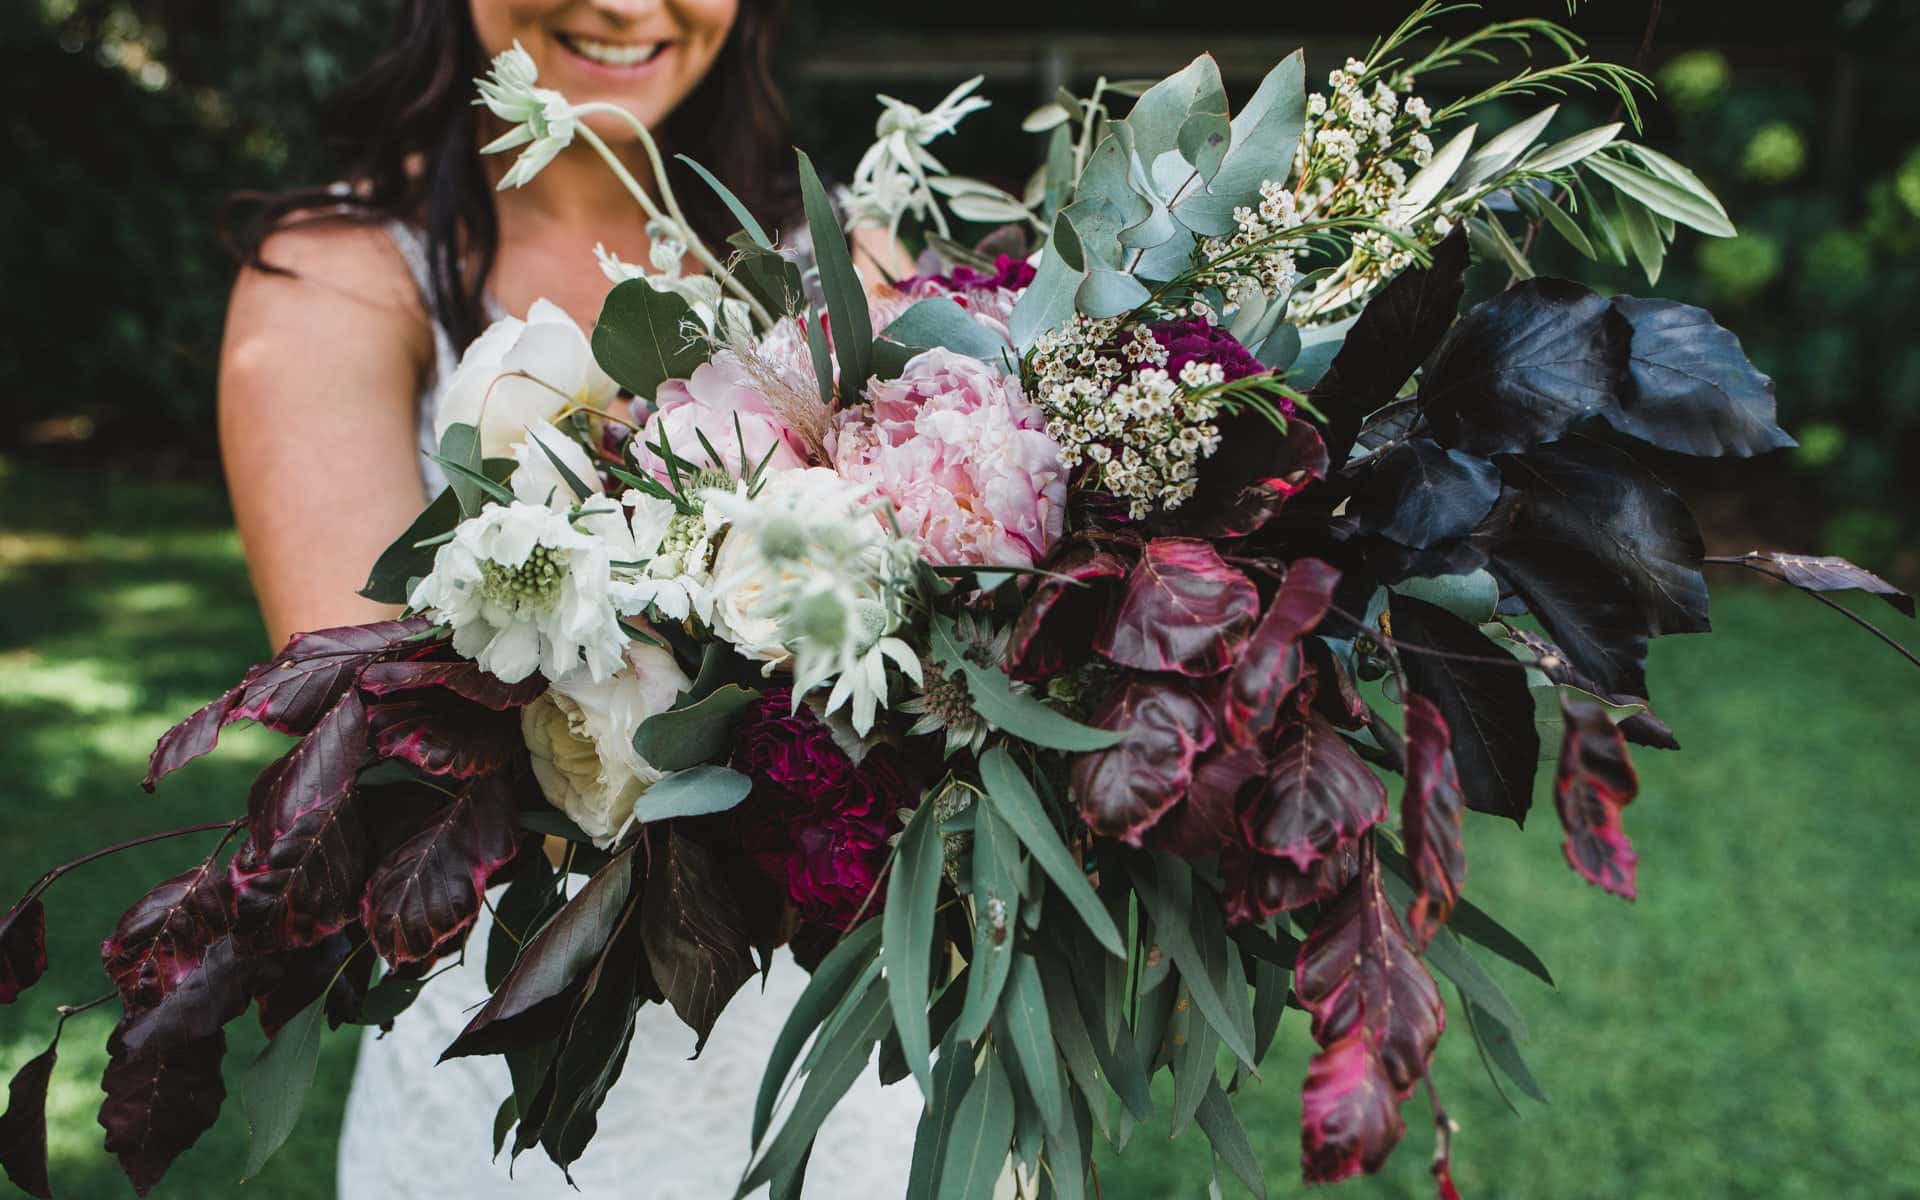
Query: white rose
column 580, row 736
column 747, row 611
column 520, row 373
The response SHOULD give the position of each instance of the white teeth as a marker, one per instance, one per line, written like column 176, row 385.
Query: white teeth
column 614, row 56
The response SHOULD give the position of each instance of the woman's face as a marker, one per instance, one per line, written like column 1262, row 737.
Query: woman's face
column 644, row 55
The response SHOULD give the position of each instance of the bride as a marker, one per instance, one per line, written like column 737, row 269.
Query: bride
column 342, row 332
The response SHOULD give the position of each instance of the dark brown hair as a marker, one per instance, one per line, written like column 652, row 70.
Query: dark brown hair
column 407, row 132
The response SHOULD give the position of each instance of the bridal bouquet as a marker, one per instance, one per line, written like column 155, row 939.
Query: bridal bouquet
column 1031, row 644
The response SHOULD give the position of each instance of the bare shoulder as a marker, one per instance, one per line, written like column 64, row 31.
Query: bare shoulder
column 332, row 278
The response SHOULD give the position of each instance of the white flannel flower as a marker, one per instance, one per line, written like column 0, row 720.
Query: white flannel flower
column 891, row 179
column 521, row 373
column 542, row 119
column 525, row 590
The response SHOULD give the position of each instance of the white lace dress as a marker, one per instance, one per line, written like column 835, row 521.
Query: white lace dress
column 671, row 1129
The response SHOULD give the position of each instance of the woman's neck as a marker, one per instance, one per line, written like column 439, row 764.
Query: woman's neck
column 577, row 192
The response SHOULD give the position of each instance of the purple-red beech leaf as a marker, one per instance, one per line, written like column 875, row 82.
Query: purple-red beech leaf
column 462, row 678
column 306, row 884
column 1209, row 821
column 1253, row 475
column 284, row 986
column 444, row 735
column 23, row 949
column 1125, row 788
column 1270, row 665
column 23, row 1128
column 1056, row 627
column 317, row 773
column 1184, row 610
column 1430, row 813
column 1481, row 693
column 1595, row 781
column 1829, row 574
column 1330, row 690
column 695, row 938
column 1690, row 387
column 200, row 1006
column 163, row 938
column 289, row 693
column 1317, row 797
column 159, row 1101
column 1358, row 974
column 1258, row 886
column 422, row 897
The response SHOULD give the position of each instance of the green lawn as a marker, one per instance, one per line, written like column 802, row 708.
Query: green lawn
column 1746, row 1029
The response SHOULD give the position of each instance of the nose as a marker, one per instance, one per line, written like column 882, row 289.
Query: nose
column 626, row 12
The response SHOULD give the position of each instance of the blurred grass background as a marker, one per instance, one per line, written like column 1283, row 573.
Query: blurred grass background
column 1746, row 1029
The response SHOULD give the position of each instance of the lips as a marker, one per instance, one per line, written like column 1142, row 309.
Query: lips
column 611, row 54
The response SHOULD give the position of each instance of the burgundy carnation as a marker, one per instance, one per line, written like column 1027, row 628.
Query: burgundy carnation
column 1008, row 272
column 1196, row 340
column 814, row 822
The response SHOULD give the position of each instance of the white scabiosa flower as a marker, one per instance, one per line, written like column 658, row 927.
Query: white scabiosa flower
column 520, row 373
column 542, row 119
column 524, row 590
column 674, row 550
column 538, row 477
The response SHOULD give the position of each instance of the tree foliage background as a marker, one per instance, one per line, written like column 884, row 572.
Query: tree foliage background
column 129, row 122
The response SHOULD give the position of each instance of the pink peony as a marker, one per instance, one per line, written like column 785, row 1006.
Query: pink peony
column 963, row 457
column 721, row 402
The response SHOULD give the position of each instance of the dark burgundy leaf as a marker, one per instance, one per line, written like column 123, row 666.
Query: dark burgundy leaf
column 394, row 812
column 1642, row 728
column 1270, row 665
column 1420, row 494
column 1430, row 812
column 23, row 949
column 317, row 773
column 159, row 1102
column 162, row 939
column 1830, row 575
column 444, row 736
column 291, row 693
column 1317, row 797
column 463, row 679
column 538, row 991
column 1252, row 476
column 695, row 938
column 1595, row 781
column 307, row 883
column 1481, row 693
column 1057, row 625
column 295, row 980
column 1258, row 886
column 199, row 1006
column 1126, row 787
column 1396, row 330
column 1184, row 610
column 1358, row 973
column 23, row 1128
column 1593, row 616
column 1349, row 1113
column 1526, row 367
column 1690, row 387
column 422, row 897
column 1330, row 689
column 1209, row 820
column 1593, row 497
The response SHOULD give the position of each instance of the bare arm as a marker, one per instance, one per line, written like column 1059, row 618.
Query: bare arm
column 319, row 374
column 873, row 248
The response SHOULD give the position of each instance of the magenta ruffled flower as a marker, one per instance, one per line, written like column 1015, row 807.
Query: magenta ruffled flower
column 1196, row 340
column 816, row 823
column 1009, row 273
column 962, row 456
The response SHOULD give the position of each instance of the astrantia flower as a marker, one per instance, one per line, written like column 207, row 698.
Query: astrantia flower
column 579, row 735
column 524, row 590
column 945, row 702
column 962, row 457
column 542, row 119
column 815, row 822
column 716, row 411
column 520, row 373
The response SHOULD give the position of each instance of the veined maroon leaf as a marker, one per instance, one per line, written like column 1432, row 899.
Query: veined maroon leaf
column 1126, row 787
column 1259, row 886
column 1184, row 610
column 292, row 981
column 538, row 990
column 1430, row 812
column 464, row 679
column 159, row 1102
column 445, row 735
column 290, row 693
column 1270, row 665
column 23, row 1128
column 1318, row 796
column 422, row 897
column 317, row 773
column 1329, row 689
column 164, row 936
column 23, row 949
column 1209, row 820
column 1830, row 575
column 1595, row 781
column 1253, row 475
column 1056, row 627
column 1481, row 693
column 1349, row 1111
column 696, row 941
column 306, row 884
column 199, row 1006
column 1357, row 970
column 1420, row 494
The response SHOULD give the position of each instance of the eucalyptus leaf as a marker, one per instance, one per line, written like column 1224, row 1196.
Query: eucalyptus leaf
column 828, row 986
column 1498, row 1045
column 461, row 444
column 846, row 298
column 1229, row 1139
column 996, row 906
column 1025, row 1012
column 276, row 1084
column 740, row 211
column 1021, row 715
column 694, row 733
column 1014, row 800
column 1176, row 938
column 907, row 938
column 1041, row 119
column 1663, row 196
column 1473, row 598
column 982, row 1131
column 643, row 337
column 840, row 1058
column 940, row 321
column 952, row 1075
column 694, row 792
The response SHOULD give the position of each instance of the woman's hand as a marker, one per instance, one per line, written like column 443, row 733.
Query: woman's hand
column 319, row 378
